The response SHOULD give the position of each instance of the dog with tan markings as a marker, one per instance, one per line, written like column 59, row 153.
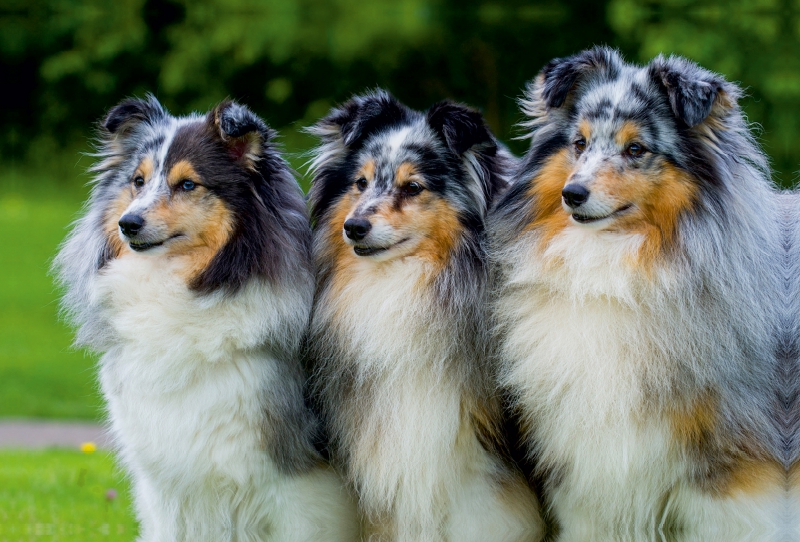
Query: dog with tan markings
column 398, row 336
column 191, row 272
column 638, row 259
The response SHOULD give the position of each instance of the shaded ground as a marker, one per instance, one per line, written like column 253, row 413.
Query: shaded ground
column 27, row 434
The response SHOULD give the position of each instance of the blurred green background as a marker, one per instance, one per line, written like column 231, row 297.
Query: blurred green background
column 65, row 63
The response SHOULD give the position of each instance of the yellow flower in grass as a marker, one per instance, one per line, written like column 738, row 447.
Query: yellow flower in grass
column 88, row 447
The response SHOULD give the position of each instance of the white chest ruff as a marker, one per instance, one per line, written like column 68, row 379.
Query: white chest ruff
column 413, row 454
column 576, row 350
column 406, row 439
column 185, row 383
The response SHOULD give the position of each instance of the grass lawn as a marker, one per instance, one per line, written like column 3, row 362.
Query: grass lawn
column 40, row 375
column 63, row 495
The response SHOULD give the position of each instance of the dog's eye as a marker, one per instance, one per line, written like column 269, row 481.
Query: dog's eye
column 187, row 185
column 634, row 150
column 412, row 189
column 138, row 182
column 580, row 145
column 362, row 184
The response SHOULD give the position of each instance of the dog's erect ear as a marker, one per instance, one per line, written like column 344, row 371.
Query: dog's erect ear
column 129, row 113
column 692, row 91
column 242, row 131
column 359, row 117
column 459, row 126
column 561, row 75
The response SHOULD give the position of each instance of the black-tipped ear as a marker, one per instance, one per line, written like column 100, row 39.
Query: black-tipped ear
column 459, row 126
column 559, row 77
column 131, row 112
column 242, row 131
column 360, row 116
column 691, row 90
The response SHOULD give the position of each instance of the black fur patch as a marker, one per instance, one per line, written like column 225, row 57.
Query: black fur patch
column 133, row 111
column 362, row 116
column 691, row 91
column 459, row 126
column 562, row 74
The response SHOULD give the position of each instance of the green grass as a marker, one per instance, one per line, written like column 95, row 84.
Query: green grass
column 61, row 495
column 40, row 374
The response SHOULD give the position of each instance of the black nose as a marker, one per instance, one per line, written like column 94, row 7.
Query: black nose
column 357, row 228
column 131, row 224
column 575, row 195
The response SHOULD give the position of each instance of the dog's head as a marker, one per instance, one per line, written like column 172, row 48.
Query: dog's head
column 619, row 147
column 391, row 182
column 207, row 191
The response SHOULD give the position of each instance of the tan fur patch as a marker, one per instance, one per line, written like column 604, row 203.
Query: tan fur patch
column 545, row 191
column 382, row 528
column 145, row 169
column 434, row 218
column 755, row 477
column 585, row 129
column 182, row 171
column 337, row 250
column 693, row 425
column 367, row 170
column 203, row 221
column 405, row 173
column 794, row 477
column 483, row 417
column 628, row 133
column 661, row 198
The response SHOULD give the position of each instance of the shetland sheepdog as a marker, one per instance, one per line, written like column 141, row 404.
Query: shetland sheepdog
column 638, row 259
column 397, row 340
column 191, row 271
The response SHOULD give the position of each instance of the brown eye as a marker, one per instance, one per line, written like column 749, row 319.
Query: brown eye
column 580, row 145
column 138, row 182
column 412, row 189
column 634, row 150
column 362, row 184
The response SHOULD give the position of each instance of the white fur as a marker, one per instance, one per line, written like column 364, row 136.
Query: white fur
column 575, row 342
column 413, row 455
column 583, row 341
column 184, row 384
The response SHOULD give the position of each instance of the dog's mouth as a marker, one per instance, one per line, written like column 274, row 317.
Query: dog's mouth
column 583, row 219
column 142, row 247
column 372, row 251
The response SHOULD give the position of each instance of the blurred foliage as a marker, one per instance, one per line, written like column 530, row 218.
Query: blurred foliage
column 291, row 60
column 753, row 42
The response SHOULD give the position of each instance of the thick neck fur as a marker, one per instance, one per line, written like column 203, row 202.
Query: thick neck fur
column 395, row 346
column 169, row 343
column 148, row 306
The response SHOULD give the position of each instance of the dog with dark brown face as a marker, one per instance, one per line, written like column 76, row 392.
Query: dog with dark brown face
column 398, row 335
column 191, row 272
column 639, row 262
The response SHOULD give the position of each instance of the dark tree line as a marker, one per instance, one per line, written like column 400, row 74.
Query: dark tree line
column 65, row 63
